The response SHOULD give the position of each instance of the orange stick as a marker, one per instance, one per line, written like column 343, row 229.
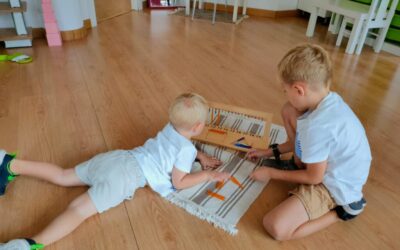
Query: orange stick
column 234, row 180
column 217, row 131
column 215, row 195
column 219, row 184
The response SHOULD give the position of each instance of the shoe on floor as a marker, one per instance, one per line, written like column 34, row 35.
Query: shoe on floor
column 5, row 175
column 21, row 244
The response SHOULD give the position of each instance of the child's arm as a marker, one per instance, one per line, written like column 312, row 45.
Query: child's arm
column 182, row 180
column 206, row 161
column 312, row 174
column 256, row 154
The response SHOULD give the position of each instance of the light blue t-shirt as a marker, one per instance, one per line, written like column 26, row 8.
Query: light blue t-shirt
column 160, row 154
column 332, row 132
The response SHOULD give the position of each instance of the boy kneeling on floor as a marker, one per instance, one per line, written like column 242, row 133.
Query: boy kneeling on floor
column 331, row 152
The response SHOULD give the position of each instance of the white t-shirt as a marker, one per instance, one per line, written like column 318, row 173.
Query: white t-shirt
column 160, row 154
column 332, row 132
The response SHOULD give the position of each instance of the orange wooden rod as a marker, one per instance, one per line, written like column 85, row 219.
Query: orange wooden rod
column 217, row 131
column 219, row 184
column 234, row 180
column 215, row 195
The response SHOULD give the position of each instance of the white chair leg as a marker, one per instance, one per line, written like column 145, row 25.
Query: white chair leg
column 362, row 38
column 312, row 22
column 354, row 36
column 215, row 11
column 341, row 32
column 334, row 24
column 194, row 8
column 380, row 39
column 187, row 7
column 244, row 7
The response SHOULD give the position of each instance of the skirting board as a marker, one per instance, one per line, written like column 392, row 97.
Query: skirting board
column 69, row 35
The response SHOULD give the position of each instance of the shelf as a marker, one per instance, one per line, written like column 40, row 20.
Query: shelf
column 11, row 35
column 6, row 8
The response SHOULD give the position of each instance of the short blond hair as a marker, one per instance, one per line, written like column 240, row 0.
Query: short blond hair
column 307, row 63
column 188, row 109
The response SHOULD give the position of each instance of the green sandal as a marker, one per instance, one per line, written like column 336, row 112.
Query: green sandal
column 16, row 57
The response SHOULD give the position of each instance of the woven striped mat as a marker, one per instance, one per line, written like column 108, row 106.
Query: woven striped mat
column 223, row 204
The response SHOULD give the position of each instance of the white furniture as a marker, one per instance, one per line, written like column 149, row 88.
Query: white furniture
column 341, row 8
column 360, row 13
column 235, row 9
column 306, row 6
column 214, row 12
column 379, row 17
column 19, row 36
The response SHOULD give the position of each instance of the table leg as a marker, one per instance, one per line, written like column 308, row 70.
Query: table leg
column 235, row 11
column 187, row 7
column 244, row 7
column 312, row 22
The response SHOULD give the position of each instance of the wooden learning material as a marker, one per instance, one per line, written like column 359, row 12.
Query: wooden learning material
column 236, row 128
column 224, row 203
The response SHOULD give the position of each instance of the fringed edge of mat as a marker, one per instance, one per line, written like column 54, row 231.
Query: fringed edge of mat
column 199, row 212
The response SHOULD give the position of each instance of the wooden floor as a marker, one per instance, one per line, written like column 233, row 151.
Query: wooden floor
column 112, row 90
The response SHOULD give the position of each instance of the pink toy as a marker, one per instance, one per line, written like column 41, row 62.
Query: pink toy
column 52, row 32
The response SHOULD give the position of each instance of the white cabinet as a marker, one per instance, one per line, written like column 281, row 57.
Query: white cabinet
column 305, row 6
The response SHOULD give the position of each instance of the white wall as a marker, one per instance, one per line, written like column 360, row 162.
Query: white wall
column 69, row 14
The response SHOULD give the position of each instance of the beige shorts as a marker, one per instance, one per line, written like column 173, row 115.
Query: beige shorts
column 316, row 199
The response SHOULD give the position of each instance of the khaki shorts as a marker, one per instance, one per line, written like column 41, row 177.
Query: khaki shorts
column 316, row 199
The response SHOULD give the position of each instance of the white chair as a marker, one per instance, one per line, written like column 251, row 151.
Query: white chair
column 201, row 4
column 376, row 16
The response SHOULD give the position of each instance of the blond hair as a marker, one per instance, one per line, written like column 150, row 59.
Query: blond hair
column 188, row 109
column 307, row 63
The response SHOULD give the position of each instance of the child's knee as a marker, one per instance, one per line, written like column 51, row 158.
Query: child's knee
column 82, row 206
column 59, row 177
column 275, row 228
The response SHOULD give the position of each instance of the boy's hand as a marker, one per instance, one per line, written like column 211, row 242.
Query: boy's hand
column 256, row 154
column 218, row 176
column 261, row 174
column 208, row 162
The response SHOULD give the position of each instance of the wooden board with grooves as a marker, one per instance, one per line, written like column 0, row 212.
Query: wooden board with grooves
column 236, row 127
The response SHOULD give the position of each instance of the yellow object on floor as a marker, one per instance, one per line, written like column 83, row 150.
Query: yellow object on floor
column 16, row 57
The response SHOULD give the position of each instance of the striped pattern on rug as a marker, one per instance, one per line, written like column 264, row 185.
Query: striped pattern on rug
column 224, row 205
